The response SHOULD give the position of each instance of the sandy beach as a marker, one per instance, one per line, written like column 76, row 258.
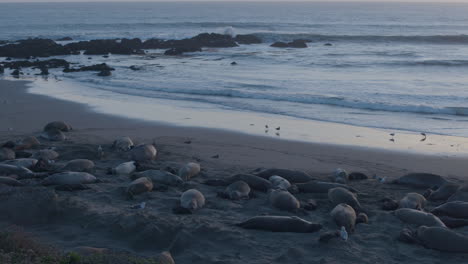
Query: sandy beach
column 101, row 216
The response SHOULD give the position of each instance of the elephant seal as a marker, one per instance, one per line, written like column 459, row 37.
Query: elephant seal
column 58, row 125
column 143, row 153
column 71, row 187
column 321, row 187
column 190, row 201
column 413, row 201
column 453, row 222
column 165, row 257
column 279, row 183
column 443, row 192
column 79, row 165
column 236, row 191
column 388, row 204
column 45, row 154
column 189, row 170
column 341, row 195
column 27, row 143
column 418, row 218
column 21, row 172
column 340, row 176
column 139, row 186
column 53, row 135
column 344, row 215
column 292, row 176
column 10, row 181
column 457, row 209
column 7, row 154
column 255, row 182
column 357, row 176
column 123, row 144
column 421, row 180
column 283, row 200
column 24, row 162
column 69, row 178
column 460, row 195
column 292, row 224
column 125, row 168
column 442, row 239
column 159, row 176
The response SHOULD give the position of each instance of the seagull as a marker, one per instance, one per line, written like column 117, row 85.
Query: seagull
column 215, row 156
column 392, row 134
column 278, row 134
column 424, row 135
column 343, row 233
column 266, row 126
column 100, row 152
column 392, row 140
column 278, row 128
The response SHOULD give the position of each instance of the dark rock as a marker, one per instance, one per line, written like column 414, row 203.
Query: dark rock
column 16, row 73
column 3, row 42
column 298, row 43
column 53, row 63
column 105, row 56
column 233, row 63
column 104, row 47
column 97, row 67
column 135, row 43
column 153, row 44
column 327, row 44
column 180, row 51
column 247, row 39
column 65, row 39
column 2, row 69
column 44, row 71
column 89, row 58
column 105, row 73
column 389, row 204
column 279, row 45
column 33, row 47
column 214, row 40
column 357, row 176
column 135, row 68
column 8, row 59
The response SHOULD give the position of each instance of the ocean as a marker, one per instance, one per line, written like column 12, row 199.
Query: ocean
column 396, row 66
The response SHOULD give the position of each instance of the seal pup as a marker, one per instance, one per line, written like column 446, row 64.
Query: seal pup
column 58, row 125
column 189, row 170
column 413, row 201
column 341, row 195
column 443, row 192
column 421, row 180
column 292, row 224
column 139, row 186
column 279, row 183
column 159, row 176
column 457, row 209
column 283, row 200
column 321, row 187
column 123, row 144
column 418, row 218
column 7, row 154
column 23, row 162
column 340, row 176
column 125, row 168
column 236, row 191
column 45, row 154
column 53, row 135
column 79, row 165
column 344, row 215
column 143, row 152
column 190, row 201
column 292, row 176
column 10, row 181
column 63, row 178
column 442, row 239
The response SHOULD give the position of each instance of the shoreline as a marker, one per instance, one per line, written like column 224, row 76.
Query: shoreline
column 239, row 149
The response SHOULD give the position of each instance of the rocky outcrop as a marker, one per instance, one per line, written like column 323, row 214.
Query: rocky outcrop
column 33, row 48
column 53, row 63
column 247, row 39
column 65, row 39
column 97, row 67
column 298, row 43
column 104, row 47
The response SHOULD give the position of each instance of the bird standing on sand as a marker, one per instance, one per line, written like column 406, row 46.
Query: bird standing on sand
column 278, row 128
column 392, row 134
column 100, row 152
column 266, row 126
column 424, row 135
column 343, row 233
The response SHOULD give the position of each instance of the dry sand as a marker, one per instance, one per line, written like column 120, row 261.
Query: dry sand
column 101, row 217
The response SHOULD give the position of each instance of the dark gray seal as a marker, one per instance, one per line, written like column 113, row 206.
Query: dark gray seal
column 159, row 176
column 236, row 191
column 421, row 180
column 255, row 182
column 418, row 218
column 58, row 125
column 413, row 201
column 341, row 195
column 321, row 187
column 21, row 172
column 139, row 186
column 291, row 224
column 442, row 239
column 444, row 192
column 344, row 215
column 10, row 181
column 143, row 153
column 69, row 178
column 460, row 195
column 457, row 209
column 292, row 176
column 283, row 200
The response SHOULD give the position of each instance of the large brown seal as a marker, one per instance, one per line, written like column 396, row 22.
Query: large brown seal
column 63, row 178
column 159, row 176
column 236, row 191
column 255, row 182
column 341, row 195
column 123, row 144
column 143, row 153
column 27, row 143
column 292, row 176
column 421, row 180
column 46, row 154
column 442, row 239
column 53, row 135
column 291, row 224
column 418, row 218
column 460, row 195
column 344, row 215
column 284, row 200
column 79, row 165
column 189, row 170
column 413, row 201
column 139, row 186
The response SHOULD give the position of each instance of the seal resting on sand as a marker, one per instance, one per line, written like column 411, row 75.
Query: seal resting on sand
column 159, row 176
column 10, row 181
column 340, row 176
column 46, row 154
column 53, row 135
column 7, row 154
column 279, row 183
column 236, row 191
column 453, row 222
column 139, row 186
column 442, row 239
column 291, row 224
column 125, row 168
column 344, row 215
column 21, row 172
column 255, row 182
column 283, row 200
column 79, row 165
column 189, row 170
column 341, row 195
column 58, row 125
column 123, row 144
column 63, row 178
column 457, row 209
column 321, row 187
column 190, row 201
column 24, row 162
column 292, row 176
column 27, row 143
column 418, row 218
column 413, row 201
column 421, row 180
column 443, row 192
column 460, row 195
column 143, row 152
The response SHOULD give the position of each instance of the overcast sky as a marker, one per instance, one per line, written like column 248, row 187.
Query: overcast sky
column 443, row 1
